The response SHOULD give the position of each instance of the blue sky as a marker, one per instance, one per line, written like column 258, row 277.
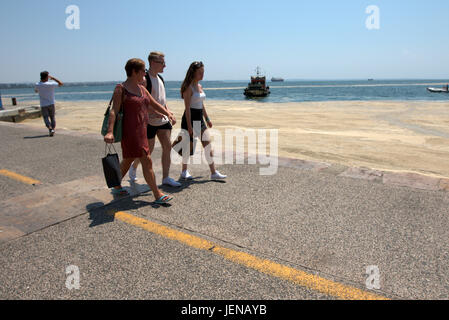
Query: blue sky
column 293, row 39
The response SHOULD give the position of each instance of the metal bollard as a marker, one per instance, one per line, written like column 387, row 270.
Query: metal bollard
column 14, row 101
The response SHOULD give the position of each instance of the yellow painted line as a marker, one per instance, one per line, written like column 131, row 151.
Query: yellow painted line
column 304, row 279
column 18, row 177
column 299, row 277
column 166, row 232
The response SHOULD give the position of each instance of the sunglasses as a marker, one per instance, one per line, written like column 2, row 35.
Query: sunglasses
column 198, row 64
column 158, row 61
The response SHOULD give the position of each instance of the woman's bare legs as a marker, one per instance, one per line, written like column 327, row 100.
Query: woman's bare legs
column 205, row 136
column 151, row 146
column 211, row 165
column 148, row 173
column 124, row 165
column 215, row 175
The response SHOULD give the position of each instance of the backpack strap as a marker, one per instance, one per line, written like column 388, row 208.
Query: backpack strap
column 149, row 84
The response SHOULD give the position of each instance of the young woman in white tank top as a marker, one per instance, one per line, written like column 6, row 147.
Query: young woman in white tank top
column 194, row 96
column 197, row 98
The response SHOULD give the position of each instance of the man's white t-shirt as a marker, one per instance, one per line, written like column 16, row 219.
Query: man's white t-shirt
column 158, row 93
column 47, row 92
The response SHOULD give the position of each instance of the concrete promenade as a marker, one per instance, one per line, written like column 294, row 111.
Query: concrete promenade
column 308, row 232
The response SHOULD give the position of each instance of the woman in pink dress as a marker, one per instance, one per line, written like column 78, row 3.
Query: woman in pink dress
column 136, row 104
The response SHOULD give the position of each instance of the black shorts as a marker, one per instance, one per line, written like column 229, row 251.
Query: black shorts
column 195, row 115
column 152, row 130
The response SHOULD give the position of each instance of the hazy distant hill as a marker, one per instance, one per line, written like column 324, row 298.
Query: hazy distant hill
column 67, row 84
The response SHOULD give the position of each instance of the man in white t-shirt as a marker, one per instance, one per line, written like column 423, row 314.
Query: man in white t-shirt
column 46, row 89
column 158, row 125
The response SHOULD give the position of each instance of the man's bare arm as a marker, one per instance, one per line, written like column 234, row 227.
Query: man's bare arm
column 59, row 82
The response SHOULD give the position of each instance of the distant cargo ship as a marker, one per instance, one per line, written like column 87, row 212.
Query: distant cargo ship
column 276, row 79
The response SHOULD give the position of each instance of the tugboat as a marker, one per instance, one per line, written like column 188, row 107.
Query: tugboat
column 257, row 87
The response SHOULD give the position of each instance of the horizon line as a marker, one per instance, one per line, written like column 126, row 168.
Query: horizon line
column 244, row 80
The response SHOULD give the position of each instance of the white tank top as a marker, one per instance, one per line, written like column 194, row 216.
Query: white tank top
column 197, row 99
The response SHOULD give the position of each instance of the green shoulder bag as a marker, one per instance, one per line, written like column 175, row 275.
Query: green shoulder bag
column 117, row 132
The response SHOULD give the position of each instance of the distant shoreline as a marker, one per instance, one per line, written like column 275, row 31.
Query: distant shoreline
column 21, row 85
column 28, row 103
column 288, row 91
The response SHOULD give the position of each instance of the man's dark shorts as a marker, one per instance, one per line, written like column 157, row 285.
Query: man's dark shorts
column 152, row 130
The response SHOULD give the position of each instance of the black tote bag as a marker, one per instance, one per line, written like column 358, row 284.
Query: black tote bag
column 111, row 168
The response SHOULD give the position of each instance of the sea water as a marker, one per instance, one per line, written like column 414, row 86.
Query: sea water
column 287, row 91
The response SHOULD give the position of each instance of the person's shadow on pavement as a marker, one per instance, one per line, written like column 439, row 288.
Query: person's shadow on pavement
column 100, row 213
column 37, row 137
column 185, row 184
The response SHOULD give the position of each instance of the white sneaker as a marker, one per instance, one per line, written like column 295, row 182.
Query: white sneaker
column 132, row 174
column 217, row 176
column 171, row 182
column 186, row 175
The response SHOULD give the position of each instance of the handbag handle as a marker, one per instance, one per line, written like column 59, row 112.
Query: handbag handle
column 123, row 98
column 106, row 149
